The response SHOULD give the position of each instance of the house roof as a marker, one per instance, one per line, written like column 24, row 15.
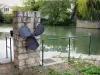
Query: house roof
column 2, row 6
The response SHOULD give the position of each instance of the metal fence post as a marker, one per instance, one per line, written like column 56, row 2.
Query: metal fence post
column 69, row 50
column 89, row 44
column 10, row 51
column 42, row 52
column 6, row 48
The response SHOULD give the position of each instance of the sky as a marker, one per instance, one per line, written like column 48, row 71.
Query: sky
column 12, row 2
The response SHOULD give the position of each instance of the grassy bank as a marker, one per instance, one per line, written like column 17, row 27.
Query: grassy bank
column 6, row 25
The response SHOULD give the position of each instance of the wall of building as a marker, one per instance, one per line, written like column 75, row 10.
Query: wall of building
column 6, row 9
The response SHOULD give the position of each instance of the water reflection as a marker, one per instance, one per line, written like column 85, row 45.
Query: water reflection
column 95, row 42
column 4, row 32
column 3, row 35
column 62, row 44
column 78, row 45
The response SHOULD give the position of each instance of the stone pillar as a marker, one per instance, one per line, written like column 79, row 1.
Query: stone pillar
column 23, row 57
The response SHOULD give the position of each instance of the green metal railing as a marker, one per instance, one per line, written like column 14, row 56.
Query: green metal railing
column 69, row 43
column 10, row 47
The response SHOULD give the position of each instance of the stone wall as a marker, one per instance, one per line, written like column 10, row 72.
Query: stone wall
column 24, row 57
column 87, row 24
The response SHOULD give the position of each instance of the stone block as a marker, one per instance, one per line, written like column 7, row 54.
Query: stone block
column 34, row 54
column 22, row 63
column 36, row 63
column 20, row 24
column 19, row 44
column 20, row 13
column 37, row 60
column 32, row 65
column 22, row 67
column 30, row 61
column 38, row 14
column 15, row 26
column 30, row 14
column 31, row 55
column 15, row 31
column 29, row 20
column 22, row 50
column 15, row 37
column 22, row 56
column 32, row 20
column 14, row 13
column 30, row 26
column 25, row 19
column 25, row 13
column 14, row 19
column 17, row 19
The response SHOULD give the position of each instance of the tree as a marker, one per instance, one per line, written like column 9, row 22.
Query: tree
column 82, row 8
column 88, row 9
column 32, row 5
column 16, row 8
column 57, row 10
column 8, row 18
column 1, row 17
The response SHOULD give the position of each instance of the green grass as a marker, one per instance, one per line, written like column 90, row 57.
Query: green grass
column 85, row 68
column 53, row 72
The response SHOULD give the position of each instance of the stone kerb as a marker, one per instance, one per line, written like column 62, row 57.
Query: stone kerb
column 24, row 57
column 87, row 24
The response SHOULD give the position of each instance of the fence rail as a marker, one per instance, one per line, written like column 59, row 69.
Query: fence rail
column 10, row 47
column 69, row 43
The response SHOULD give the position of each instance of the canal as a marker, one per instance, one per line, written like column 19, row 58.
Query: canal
column 77, row 45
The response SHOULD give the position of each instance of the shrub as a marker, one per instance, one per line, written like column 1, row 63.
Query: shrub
column 1, row 17
column 8, row 18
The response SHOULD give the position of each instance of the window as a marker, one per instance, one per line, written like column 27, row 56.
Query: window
column 6, row 9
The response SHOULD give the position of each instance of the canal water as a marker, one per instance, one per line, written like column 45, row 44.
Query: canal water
column 79, row 45
column 5, row 32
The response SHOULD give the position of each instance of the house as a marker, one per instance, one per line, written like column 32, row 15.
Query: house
column 5, row 9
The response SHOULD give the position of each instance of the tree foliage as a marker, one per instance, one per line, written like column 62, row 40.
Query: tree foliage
column 82, row 7
column 57, row 10
column 32, row 5
column 1, row 17
column 88, row 9
column 8, row 19
column 16, row 8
